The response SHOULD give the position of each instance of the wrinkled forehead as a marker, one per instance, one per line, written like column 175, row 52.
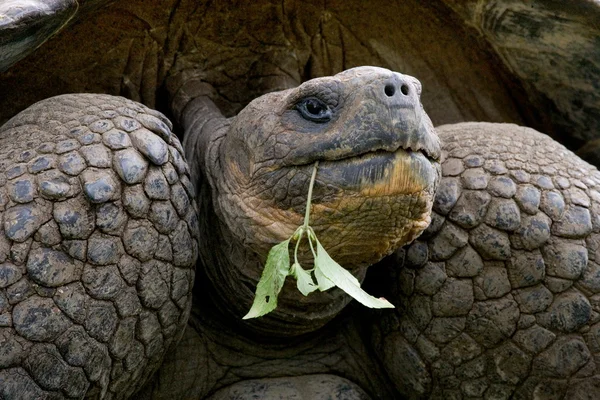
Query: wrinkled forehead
column 345, row 94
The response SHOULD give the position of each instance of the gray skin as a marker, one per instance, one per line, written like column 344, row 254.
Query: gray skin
column 496, row 299
column 97, row 247
column 378, row 170
column 76, row 319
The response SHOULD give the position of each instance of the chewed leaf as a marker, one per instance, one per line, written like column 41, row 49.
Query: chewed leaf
column 326, row 266
column 271, row 280
column 304, row 282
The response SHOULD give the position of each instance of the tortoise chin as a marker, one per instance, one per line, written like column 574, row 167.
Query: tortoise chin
column 383, row 201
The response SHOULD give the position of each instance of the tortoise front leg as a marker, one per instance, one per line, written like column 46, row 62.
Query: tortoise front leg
column 97, row 247
column 499, row 298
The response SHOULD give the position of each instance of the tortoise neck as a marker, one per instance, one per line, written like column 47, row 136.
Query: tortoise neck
column 202, row 122
column 190, row 99
column 232, row 271
column 229, row 271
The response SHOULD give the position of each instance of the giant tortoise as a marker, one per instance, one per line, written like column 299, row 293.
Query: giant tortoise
column 104, row 213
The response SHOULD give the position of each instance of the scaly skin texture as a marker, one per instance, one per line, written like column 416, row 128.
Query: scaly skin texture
column 499, row 297
column 97, row 247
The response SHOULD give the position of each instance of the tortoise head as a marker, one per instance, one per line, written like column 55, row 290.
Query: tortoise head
column 378, row 169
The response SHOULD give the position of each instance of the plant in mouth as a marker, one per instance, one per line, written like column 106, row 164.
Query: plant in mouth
column 325, row 274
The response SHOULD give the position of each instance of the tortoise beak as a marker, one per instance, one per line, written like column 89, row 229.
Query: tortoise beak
column 422, row 138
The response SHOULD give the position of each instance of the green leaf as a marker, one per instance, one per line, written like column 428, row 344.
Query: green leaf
column 322, row 281
column 271, row 281
column 304, row 282
column 326, row 266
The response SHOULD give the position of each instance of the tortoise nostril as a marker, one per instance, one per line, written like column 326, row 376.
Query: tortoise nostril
column 389, row 90
column 404, row 89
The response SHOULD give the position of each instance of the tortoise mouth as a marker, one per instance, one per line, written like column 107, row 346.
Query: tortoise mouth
column 430, row 151
column 418, row 147
column 375, row 157
column 381, row 173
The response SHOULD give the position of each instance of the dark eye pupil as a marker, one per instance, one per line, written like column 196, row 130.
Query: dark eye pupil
column 314, row 110
column 314, row 107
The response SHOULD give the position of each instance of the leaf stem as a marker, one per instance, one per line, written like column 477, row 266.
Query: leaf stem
column 309, row 201
column 310, row 235
column 298, row 245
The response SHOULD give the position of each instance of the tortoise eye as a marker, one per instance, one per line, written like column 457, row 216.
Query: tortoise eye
column 314, row 110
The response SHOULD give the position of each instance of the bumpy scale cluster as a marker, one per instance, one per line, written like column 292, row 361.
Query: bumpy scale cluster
column 500, row 296
column 98, row 240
